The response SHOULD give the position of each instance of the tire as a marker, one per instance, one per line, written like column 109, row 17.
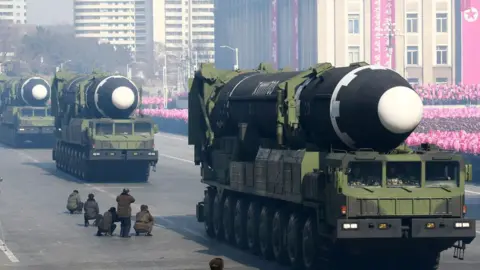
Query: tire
column 240, row 224
column 265, row 233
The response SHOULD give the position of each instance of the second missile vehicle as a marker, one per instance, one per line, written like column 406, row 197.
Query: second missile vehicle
column 98, row 139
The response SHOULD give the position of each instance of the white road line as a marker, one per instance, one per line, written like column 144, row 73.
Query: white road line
column 472, row 192
column 8, row 252
column 177, row 158
column 178, row 138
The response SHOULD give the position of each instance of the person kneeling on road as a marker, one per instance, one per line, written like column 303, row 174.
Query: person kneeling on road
column 91, row 209
column 216, row 264
column 106, row 224
column 144, row 221
column 74, row 203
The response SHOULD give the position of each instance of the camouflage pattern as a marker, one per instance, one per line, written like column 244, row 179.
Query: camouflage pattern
column 21, row 122
column 322, row 191
column 106, row 144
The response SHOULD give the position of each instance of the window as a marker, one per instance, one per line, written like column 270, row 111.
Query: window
column 123, row 129
column 413, row 81
column 442, row 55
column 104, row 129
column 402, row 174
column 442, row 24
column 412, row 22
column 441, row 173
column 412, row 55
column 366, row 173
column 143, row 129
column 40, row 112
column 354, row 54
column 353, row 23
column 441, row 80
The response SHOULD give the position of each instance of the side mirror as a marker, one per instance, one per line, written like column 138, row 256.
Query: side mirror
column 348, row 171
column 1, row 179
column 468, row 172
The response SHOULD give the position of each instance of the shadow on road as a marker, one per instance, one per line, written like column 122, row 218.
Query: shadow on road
column 190, row 229
column 51, row 169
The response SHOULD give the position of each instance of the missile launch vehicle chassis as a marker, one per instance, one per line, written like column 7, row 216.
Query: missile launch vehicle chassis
column 36, row 135
column 79, row 162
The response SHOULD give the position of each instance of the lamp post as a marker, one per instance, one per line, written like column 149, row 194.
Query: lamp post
column 61, row 65
column 235, row 67
column 390, row 33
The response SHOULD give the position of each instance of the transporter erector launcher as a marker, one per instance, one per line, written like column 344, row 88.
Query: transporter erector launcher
column 307, row 168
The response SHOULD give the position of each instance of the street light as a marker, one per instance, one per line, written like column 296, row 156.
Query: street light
column 61, row 65
column 235, row 67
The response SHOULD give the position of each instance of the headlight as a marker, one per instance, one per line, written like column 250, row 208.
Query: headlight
column 350, row 226
column 151, row 154
column 462, row 225
column 21, row 129
column 96, row 154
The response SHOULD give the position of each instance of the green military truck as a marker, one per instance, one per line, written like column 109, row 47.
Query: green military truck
column 25, row 113
column 98, row 139
column 307, row 168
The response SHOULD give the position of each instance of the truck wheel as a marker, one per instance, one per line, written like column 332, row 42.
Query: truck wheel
column 294, row 240
column 253, row 222
column 279, row 244
column 265, row 233
column 217, row 216
column 207, row 214
column 240, row 223
column 309, row 245
column 228, row 211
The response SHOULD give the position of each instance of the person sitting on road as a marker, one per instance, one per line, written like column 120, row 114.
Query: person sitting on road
column 216, row 264
column 74, row 203
column 144, row 221
column 91, row 209
column 106, row 223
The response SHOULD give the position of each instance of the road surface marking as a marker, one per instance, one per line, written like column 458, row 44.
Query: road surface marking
column 472, row 192
column 178, row 138
column 177, row 158
column 8, row 252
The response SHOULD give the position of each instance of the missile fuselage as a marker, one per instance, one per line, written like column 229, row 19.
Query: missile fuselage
column 29, row 91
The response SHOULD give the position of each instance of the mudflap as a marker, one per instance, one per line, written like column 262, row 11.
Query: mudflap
column 459, row 250
column 153, row 164
column 199, row 212
column 53, row 154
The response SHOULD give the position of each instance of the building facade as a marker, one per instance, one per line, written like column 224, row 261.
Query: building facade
column 188, row 29
column 416, row 38
column 13, row 11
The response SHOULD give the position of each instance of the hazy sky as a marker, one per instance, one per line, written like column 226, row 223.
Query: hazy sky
column 50, row 11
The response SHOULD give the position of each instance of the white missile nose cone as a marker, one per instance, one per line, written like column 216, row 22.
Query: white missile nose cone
column 400, row 109
column 39, row 92
column 123, row 97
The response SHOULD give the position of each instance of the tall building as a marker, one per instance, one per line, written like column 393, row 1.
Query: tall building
column 413, row 37
column 188, row 29
column 13, row 11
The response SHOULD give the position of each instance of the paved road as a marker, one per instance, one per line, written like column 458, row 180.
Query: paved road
column 40, row 235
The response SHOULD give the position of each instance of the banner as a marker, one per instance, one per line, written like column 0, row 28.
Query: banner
column 295, row 55
column 470, row 41
column 383, row 33
column 274, row 34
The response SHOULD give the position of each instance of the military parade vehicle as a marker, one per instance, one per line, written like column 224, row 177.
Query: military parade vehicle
column 98, row 139
column 25, row 113
column 307, row 168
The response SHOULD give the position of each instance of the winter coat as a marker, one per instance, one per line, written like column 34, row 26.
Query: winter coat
column 123, row 207
column 105, row 222
column 91, row 209
column 73, row 201
column 144, row 221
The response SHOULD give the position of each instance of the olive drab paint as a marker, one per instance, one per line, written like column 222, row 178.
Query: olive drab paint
column 99, row 136
column 281, row 153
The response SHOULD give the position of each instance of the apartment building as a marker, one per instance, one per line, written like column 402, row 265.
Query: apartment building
column 413, row 37
column 188, row 29
column 13, row 11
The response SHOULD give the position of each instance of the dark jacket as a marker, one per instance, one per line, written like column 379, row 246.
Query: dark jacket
column 91, row 209
column 123, row 208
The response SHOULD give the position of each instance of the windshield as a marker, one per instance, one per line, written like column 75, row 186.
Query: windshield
column 143, row 128
column 104, row 129
column 123, row 129
column 400, row 174
column 40, row 112
column 365, row 174
column 440, row 173
column 27, row 112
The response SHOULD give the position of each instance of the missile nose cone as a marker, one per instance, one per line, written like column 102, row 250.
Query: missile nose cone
column 39, row 92
column 123, row 97
column 400, row 109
